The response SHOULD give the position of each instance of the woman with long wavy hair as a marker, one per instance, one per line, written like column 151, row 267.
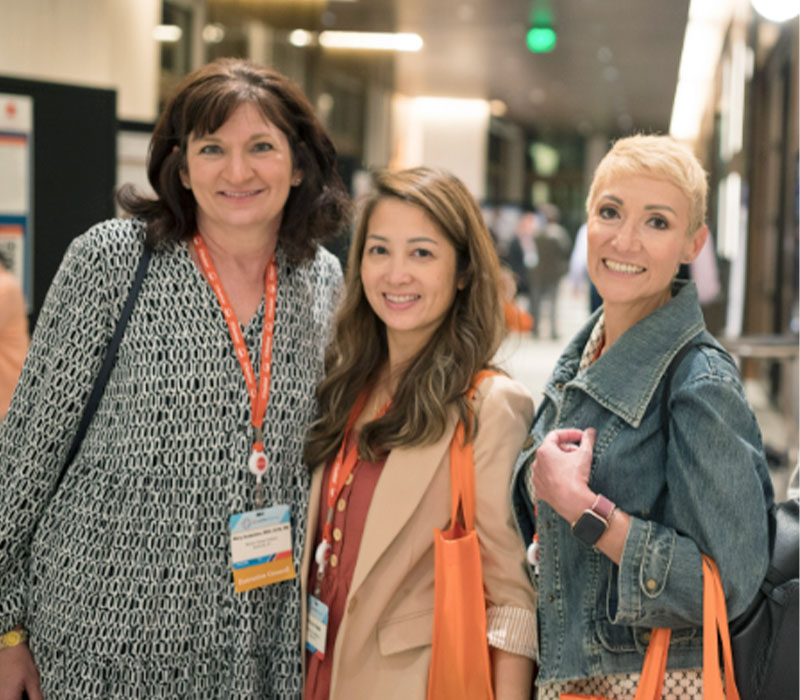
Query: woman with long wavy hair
column 421, row 316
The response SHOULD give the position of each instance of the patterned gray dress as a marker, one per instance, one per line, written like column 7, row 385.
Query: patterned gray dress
column 123, row 576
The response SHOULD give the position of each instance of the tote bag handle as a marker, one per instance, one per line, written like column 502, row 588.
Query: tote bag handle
column 715, row 628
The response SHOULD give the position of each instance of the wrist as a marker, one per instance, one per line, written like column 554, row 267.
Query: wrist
column 579, row 504
column 13, row 638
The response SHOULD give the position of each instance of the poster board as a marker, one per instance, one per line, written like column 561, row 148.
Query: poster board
column 16, row 178
column 72, row 145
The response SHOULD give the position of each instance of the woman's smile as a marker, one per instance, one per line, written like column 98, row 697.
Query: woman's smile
column 623, row 267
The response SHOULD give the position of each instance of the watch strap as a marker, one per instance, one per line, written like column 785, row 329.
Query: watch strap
column 603, row 507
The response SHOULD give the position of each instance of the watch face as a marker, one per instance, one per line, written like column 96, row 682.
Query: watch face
column 589, row 528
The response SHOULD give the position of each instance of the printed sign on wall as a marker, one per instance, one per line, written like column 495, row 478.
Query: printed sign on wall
column 16, row 177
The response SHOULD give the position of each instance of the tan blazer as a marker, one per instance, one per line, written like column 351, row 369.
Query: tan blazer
column 383, row 646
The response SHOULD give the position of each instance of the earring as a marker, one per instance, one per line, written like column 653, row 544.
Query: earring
column 297, row 181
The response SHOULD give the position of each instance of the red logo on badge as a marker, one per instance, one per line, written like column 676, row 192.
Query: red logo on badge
column 261, row 465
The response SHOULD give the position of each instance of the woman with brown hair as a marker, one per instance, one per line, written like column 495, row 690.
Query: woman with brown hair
column 119, row 574
column 421, row 316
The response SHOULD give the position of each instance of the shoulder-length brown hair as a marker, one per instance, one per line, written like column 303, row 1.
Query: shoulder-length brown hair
column 441, row 373
column 315, row 210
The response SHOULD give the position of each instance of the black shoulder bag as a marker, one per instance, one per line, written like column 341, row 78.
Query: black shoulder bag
column 108, row 362
column 765, row 636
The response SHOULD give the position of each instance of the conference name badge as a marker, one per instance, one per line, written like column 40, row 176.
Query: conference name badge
column 317, row 629
column 261, row 547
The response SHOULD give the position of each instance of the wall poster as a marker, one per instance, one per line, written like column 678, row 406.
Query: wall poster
column 16, row 192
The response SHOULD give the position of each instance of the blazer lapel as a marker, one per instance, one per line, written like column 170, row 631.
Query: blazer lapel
column 402, row 485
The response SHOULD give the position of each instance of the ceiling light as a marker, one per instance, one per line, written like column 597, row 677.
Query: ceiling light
column 213, row 33
column 776, row 10
column 370, row 41
column 702, row 44
column 167, row 33
column 300, row 37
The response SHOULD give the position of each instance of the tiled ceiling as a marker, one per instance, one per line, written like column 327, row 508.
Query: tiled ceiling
column 614, row 67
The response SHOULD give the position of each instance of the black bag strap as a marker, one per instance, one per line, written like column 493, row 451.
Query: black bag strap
column 108, row 362
column 671, row 369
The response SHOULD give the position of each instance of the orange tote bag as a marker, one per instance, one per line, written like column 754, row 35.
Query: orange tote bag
column 715, row 627
column 460, row 668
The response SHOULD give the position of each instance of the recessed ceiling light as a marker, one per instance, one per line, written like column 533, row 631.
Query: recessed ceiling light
column 167, row 33
column 776, row 10
column 300, row 37
column 374, row 41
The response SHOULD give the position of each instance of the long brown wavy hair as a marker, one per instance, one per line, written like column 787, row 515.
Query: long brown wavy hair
column 316, row 209
column 440, row 375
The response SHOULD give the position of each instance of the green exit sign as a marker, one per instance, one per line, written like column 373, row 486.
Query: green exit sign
column 541, row 39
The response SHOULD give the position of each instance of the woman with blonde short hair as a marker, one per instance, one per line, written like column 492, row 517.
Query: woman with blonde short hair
column 631, row 472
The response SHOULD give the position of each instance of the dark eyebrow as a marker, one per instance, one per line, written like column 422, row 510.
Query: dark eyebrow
column 419, row 239
column 217, row 139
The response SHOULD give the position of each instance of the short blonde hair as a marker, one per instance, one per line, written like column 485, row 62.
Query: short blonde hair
column 659, row 157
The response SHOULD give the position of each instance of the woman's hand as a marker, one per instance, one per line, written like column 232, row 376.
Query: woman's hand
column 561, row 471
column 18, row 673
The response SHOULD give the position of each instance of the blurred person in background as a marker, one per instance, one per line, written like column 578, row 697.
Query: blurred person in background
column 120, row 576
column 14, row 337
column 553, row 247
column 521, row 255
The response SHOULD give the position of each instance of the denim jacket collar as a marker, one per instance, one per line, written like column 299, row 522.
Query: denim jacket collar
column 624, row 378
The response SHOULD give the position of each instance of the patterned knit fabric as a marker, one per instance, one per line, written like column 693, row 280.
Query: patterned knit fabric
column 123, row 576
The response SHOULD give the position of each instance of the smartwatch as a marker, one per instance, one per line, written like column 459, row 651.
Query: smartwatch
column 594, row 521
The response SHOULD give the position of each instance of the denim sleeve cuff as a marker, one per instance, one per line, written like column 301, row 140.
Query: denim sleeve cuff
column 513, row 630
column 643, row 571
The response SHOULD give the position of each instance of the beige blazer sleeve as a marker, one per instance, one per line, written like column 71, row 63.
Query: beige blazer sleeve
column 505, row 411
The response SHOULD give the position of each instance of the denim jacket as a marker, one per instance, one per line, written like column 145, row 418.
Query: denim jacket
column 706, row 491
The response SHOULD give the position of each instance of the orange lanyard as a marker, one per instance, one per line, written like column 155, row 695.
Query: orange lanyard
column 259, row 394
column 342, row 468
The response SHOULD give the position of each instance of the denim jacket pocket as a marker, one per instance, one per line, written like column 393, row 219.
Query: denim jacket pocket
column 625, row 639
column 405, row 632
column 621, row 639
